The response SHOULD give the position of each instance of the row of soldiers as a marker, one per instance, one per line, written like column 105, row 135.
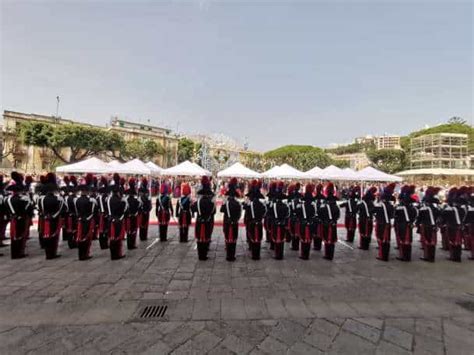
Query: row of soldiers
column 455, row 220
column 106, row 210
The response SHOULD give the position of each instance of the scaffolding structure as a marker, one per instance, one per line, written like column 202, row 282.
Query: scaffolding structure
column 439, row 150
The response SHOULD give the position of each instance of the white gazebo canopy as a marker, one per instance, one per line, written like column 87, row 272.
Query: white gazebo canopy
column 114, row 163
column 155, row 169
column 238, row 170
column 284, row 171
column 92, row 165
column 331, row 173
column 350, row 175
column 371, row 174
column 313, row 173
column 186, row 168
column 132, row 167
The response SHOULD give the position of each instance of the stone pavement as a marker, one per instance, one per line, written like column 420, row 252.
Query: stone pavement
column 352, row 305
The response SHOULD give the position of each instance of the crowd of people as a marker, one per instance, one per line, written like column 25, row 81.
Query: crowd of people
column 113, row 210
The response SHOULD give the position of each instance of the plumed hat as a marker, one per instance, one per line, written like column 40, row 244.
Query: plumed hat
column 185, row 189
column 50, row 183
column 16, row 182
column 387, row 193
column 205, row 187
column 232, row 188
column 354, row 192
column 132, row 186
column 102, row 185
column 143, row 185
column 164, row 189
column 254, row 192
column 370, row 194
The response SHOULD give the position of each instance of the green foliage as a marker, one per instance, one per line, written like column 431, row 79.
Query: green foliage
column 83, row 141
column 188, row 150
column 302, row 157
column 143, row 149
column 388, row 160
column 342, row 163
column 351, row 148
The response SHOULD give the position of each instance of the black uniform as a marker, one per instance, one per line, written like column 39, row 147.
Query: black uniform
column 134, row 205
column 427, row 221
column 20, row 209
column 205, row 209
column 255, row 211
column 318, row 236
column 232, row 211
column 405, row 216
column 294, row 199
column 86, row 208
column 365, row 210
column 103, row 227
column 350, row 218
column 51, row 207
column 452, row 216
column 329, row 214
column 144, row 212
column 116, row 211
column 280, row 212
column 384, row 213
column 164, row 211
column 306, row 213
column 183, row 213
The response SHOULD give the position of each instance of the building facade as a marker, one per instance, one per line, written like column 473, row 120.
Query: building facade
column 388, row 142
column 440, row 150
column 357, row 161
column 32, row 159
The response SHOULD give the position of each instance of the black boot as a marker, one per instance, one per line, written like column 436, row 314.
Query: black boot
column 295, row 243
column 16, row 249
column 279, row 250
column 364, row 243
column 202, row 250
column 230, row 248
column 183, row 235
column 305, row 248
column 103, row 241
column 350, row 236
column 83, row 249
column 131, row 241
column 456, row 252
column 71, row 242
column 143, row 232
column 116, row 252
column 51, row 248
column 429, row 253
column 328, row 251
column 163, row 233
column 385, row 251
column 255, row 251
column 317, row 243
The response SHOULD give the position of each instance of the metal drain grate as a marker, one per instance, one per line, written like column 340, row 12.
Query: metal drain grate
column 150, row 312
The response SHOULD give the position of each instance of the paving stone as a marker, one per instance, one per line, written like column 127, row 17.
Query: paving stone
column 398, row 337
column 236, row 344
column 272, row 346
column 318, row 339
column 301, row 348
column 276, row 308
column 206, row 309
column 362, row 330
column 287, row 332
column 430, row 328
column 233, row 308
column 388, row 348
column 425, row 345
column 347, row 343
column 205, row 341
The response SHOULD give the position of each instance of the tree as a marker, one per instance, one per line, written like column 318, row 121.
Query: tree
column 143, row 149
column 186, row 149
column 82, row 141
column 456, row 120
column 302, row 157
column 388, row 160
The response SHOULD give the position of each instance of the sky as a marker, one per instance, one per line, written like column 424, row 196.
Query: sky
column 267, row 72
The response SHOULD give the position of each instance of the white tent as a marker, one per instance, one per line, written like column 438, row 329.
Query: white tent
column 186, row 168
column 313, row 173
column 270, row 172
column 132, row 167
column 331, row 173
column 155, row 169
column 372, row 174
column 350, row 175
column 92, row 165
column 239, row 171
column 114, row 163
column 284, row 171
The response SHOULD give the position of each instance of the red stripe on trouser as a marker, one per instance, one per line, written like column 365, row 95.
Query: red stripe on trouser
column 202, row 234
column 101, row 223
column 13, row 229
column 256, row 236
column 47, row 228
column 307, row 234
column 69, row 224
